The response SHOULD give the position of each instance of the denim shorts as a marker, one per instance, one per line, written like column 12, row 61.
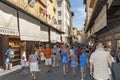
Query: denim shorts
column 8, row 60
column 23, row 68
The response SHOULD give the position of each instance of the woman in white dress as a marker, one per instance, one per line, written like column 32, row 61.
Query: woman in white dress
column 33, row 63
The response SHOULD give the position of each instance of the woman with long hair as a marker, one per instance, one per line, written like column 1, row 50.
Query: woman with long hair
column 65, row 59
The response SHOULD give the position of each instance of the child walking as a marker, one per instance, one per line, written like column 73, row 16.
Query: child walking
column 73, row 62
column 83, row 64
column 23, row 65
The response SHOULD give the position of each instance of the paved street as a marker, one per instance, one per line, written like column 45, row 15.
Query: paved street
column 56, row 74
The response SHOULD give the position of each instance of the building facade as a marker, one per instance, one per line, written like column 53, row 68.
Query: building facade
column 52, row 19
column 64, row 16
column 81, row 36
column 74, row 35
column 24, row 23
column 102, row 22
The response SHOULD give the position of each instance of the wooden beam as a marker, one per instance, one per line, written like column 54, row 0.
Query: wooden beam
column 92, row 3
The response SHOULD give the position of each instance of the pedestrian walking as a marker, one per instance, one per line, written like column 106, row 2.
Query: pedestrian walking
column 83, row 64
column 73, row 60
column 33, row 63
column 58, row 56
column 23, row 65
column 65, row 55
column 78, row 53
column 48, row 57
column 99, row 63
column 75, row 49
column 23, row 53
column 54, row 55
column 9, row 54
column 23, row 60
column 41, row 54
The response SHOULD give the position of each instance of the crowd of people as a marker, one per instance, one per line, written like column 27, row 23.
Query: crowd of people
column 98, row 60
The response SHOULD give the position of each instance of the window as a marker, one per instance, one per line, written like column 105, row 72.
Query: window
column 59, row 13
column 59, row 3
column 49, row 17
column 51, row 1
column 59, row 22
column 54, row 10
column 31, row 3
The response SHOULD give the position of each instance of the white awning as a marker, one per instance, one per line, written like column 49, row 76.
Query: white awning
column 8, row 20
column 43, row 33
column 58, row 37
column 53, row 36
column 101, row 21
column 29, row 28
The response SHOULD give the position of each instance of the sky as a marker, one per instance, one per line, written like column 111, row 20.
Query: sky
column 78, row 8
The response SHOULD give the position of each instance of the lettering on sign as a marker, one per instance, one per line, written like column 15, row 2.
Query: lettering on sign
column 8, row 31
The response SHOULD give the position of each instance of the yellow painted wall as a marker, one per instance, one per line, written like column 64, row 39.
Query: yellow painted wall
column 50, row 11
column 37, row 10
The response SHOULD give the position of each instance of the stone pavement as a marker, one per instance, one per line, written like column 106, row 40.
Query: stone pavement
column 2, row 72
column 56, row 74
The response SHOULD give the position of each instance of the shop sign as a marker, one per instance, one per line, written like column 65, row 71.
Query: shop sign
column 8, row 20
column 8, row 32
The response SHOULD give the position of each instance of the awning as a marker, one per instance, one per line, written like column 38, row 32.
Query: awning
column 8, row 20
column 53, row 36
column 29, row 28
column 58, row 37
column 101, row 21
column 44, row 33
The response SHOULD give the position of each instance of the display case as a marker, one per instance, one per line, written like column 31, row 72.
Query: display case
column 16, row 47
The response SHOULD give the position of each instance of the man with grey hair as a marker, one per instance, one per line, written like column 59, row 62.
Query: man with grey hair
column 99, row 63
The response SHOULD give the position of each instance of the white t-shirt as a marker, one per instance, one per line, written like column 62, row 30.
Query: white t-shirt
column 23, row 62
column 24, row 55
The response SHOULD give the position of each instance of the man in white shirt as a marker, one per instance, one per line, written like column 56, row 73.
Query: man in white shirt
column 99, row 63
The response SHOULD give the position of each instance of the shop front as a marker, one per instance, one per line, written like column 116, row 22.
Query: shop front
column 53, row 36
column 29, row 31
column 8, row 30
column 32, row 31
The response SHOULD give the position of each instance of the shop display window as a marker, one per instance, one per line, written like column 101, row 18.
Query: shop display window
column 16, row 46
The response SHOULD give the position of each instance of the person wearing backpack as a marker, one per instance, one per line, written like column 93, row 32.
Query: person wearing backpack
column 9, row 55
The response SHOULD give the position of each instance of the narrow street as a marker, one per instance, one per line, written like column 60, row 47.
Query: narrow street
column 84, row 31
column 56, row 74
